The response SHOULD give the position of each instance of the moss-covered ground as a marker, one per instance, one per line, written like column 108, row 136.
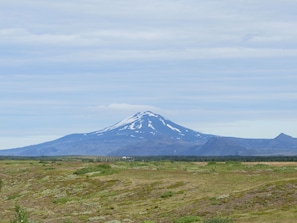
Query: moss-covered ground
column 157, row 191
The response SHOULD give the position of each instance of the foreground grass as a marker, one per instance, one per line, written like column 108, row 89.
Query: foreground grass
column 75, row 191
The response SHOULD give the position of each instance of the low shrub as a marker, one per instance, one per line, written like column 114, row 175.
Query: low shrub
column 20, row 215
column 187, row 219
column 212, row 163
column 167, row 194
column 102, row 168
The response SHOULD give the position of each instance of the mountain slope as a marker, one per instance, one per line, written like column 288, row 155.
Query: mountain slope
column 281, row 145
column 150, row 134
column 143, row 128
column 148, row 125
column 222, row 146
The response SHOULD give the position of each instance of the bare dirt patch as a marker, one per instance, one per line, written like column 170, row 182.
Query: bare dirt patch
column 271, row 163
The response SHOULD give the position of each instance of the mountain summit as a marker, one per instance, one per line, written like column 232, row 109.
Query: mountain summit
column 148, row 125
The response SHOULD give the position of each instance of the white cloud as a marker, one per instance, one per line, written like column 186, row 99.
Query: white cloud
column 191, row 61
column 124, row 107
column 23, row 36
column 137, row 30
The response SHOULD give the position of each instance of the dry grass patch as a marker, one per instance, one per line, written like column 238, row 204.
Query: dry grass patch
column 160, row 192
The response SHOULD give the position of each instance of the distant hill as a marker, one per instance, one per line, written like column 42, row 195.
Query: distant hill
column 150, row 134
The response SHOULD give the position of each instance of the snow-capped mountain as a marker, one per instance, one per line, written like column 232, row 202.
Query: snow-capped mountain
column 143, row 128
column 150, row 134
column 147, row 125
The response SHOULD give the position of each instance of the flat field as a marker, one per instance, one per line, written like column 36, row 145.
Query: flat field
column 73, row 190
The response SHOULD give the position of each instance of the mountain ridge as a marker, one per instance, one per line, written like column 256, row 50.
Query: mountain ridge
column 147, row 123
column 149, row 134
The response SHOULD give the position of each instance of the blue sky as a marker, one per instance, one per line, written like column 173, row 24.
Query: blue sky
column 219, row 67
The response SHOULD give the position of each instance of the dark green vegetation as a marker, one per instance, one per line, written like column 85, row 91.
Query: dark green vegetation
column 102, row 169
column 65, row 190
column 21, row 215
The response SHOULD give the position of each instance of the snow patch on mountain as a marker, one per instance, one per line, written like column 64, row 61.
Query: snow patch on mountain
column 172, row 128
column 150, row 125
column 147, row 125
column 133, row 122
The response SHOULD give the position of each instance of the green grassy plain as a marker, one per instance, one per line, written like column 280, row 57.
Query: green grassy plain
column 65, row 191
